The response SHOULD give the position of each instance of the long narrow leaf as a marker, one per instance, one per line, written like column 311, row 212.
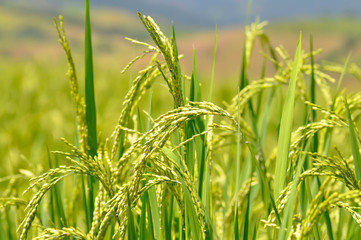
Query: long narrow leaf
column 155, row 212
column 90, row 110
column 131, row 226
column 354, row 143
column 89, row 87
column 286, row 127
column 286, row 223
column 213, row 66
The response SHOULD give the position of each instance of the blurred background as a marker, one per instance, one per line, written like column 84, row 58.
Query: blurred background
column 36, row 108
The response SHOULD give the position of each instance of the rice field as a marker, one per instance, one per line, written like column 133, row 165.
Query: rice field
column 280, row 160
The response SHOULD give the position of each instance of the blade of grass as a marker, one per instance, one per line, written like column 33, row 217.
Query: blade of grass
column 238, row 170
column 225, row 188
column 247, row 215
column 89, row 86
column 189, row 129
column 57, row 206
column 338, row 88
column 352, row 230
column 287, row 217
column 313, row 95
column 90, row 110
column 10, row 223
column 194, row 91
column 354, row 142
column 326, row 216
column 143, row 217
column 145, row 198
column 265, row 182
column 286, row 127
column 132, row 234
column 328, row 134
column 208, row 193
column 243, row 81
column 312, row 118
column 168, row 218
column 198, row 145
column 82, row 183
column 151, row 234
column 155, row 212
column 52, row 195
column 213, row 66
column 341, row 220
column 178, row 67
column 151, row 195
column 144, row 234
column 190, row 212
column 2, row 231
column 256, row 230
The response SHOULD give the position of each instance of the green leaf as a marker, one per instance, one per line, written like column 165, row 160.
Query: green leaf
column 286, row 127
column 132, row 234
column 354, row 143
column 57, row 206
column 313, row 95
column 247, row 215
column 168, row 218
column 143, row 218
column 89, row 87
column 190, row 212
column 213, row 66
column 155, row 212
column 90, row 110
column 238, row 171
column 287, row 217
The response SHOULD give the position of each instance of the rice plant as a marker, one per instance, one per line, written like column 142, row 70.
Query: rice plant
column 280, row 161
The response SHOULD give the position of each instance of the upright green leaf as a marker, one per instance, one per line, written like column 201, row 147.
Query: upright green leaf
column 89, row 87
column 238, row 170
column 132, row 234
column 2, row 231
column 247, row 215
column 90, row 110
column 354, row 143
column 286, row 127
column 56, row 202
column 155, row 212
column 313, row 94
column 213, row 65
column 287, row 218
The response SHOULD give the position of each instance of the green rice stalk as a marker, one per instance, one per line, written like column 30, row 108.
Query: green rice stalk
column 170, row 54
column 78, row 101
column 163, row 127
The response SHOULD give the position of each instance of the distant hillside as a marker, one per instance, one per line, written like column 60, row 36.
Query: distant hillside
column 28, row 33
column 212, row 12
